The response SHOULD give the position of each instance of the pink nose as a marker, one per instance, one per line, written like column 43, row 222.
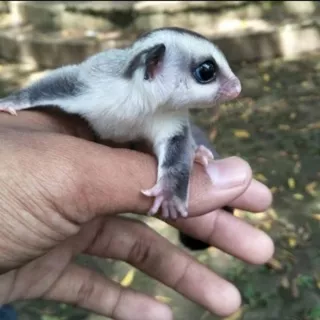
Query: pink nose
column 232, row 88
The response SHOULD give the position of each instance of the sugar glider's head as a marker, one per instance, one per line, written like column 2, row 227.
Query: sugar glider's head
column 178, row 68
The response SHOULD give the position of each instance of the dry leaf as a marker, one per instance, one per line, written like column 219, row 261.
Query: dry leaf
column 292, row 242
column 295, row 156
column 310, row 188
column 272, row 214
column 266, row 77
column 241, row 133
column 128, row 279
column 293, row 115
column 298, row 196
column 238, row 213
column 260, row 177
column 202, row 258
column 305, row 84
column 284, row 127
column 274, row 189
column 291, row 183
column 285, row 282
column 266, row 89
column 163, row 299
column 213, row 134
column 237, row 315
column 316, row 216
column 267, row 225
column 275, row 264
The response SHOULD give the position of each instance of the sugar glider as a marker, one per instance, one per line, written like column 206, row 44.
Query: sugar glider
column 143, row 91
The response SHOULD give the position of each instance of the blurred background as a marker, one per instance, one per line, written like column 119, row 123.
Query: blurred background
column 273, row 46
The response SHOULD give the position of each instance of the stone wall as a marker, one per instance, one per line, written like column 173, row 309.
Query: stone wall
column 58, row 32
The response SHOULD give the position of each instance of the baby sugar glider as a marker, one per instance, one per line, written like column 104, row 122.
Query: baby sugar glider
column 143, row 91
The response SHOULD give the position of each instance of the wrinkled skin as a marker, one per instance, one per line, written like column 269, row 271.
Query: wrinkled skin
column 60, row 194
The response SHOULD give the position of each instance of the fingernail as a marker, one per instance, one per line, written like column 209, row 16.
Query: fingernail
column 227, row 173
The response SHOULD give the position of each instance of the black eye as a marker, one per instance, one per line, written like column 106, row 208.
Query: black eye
column 206, row 72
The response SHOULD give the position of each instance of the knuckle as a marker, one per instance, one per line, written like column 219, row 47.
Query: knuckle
column 214, row 226
column 86, row 291
column 183, row 275
column 141, row 252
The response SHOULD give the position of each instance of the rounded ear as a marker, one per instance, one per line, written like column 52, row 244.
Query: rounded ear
column 147, row 59
column 153, row 57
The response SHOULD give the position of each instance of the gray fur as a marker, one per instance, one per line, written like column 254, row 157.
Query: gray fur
column 60, row 84
column 178, row 162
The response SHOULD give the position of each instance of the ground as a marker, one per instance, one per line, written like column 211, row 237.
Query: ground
column 275, row 126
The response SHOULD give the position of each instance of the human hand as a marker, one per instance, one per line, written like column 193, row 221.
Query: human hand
column 60, row 196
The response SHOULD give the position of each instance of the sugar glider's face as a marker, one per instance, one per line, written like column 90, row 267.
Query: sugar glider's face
column 182, row 69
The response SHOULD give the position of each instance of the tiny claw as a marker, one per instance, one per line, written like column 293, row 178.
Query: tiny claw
column 147, row 193
column 165, row 210
column 202, row 160
column 9, row 110
column 202, row 155
column 153, row 192
column 183, row 213
column 156, row 205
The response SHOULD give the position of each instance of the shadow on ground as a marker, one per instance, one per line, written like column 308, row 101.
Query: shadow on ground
column 275, row 125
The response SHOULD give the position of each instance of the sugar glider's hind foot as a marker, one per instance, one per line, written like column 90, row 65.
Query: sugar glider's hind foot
column 172, row 206
column 203, row 155
column 9, row 110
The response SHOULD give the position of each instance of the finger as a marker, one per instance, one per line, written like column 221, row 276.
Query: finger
column 256, row 198
column 89, row 290
column 114, row 178
column 230, row 234
column 102, row 179
column 219, row 184
column 143, row 248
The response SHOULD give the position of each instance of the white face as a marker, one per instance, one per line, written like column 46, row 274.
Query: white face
column 193, row 73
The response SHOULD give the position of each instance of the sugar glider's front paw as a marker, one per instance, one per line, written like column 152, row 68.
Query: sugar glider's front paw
column 203, row 155
column 172, row 206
